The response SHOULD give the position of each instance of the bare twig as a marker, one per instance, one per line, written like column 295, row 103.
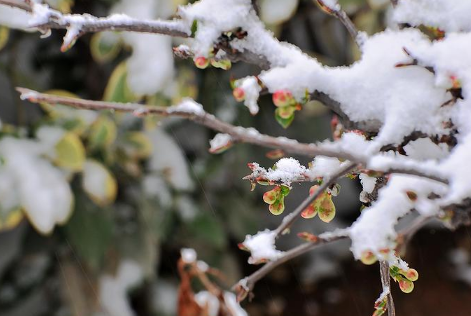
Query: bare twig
column 293, row 216
column 238, row 133
column 247, row 284
column 386, row 283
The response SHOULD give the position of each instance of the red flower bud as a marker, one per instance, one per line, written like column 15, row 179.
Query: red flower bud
column 406, row 286
column 238, row 94
column 201, row 62
column 412, row 275
column 282, row 98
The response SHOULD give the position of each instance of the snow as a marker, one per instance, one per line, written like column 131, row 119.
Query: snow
column 113, row 289
column 30, row 181
column 262, row 246
column 208, row 301
column 188, row 255
column 252, row 91
column 424, row 149
column 188, row 106
column 448, row 15
column 286, row 170
column 173, row 164
column 367, row 182
column 374, row 228
column 150, row 67
column 14, row 18
column 220, row 140
column 323, row 167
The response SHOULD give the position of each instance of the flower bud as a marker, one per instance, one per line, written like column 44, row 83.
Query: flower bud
column 283, row 98
column 238, row 94
column 309, row 212
column 412, row 195
column 412, row 275
column 368, row 258
column 201, row 62
column 406, row 286
column 308, row 237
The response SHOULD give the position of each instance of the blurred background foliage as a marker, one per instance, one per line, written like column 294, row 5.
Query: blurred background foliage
column 128, row 193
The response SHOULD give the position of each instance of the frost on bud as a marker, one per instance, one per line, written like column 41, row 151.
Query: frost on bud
column 405, row 285
column 238, row 94
column 368, row 258
column 412, row 275
column 308, row 237
column 277, row 208
column 201, row 62
column 283, row 98
column 412, row 195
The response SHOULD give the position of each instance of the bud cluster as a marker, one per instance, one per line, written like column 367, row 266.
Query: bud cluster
column 405, row 278
column 275, row 198
column 322, row 205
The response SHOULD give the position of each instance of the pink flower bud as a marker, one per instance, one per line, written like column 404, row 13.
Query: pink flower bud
column 238, row 94
column 309, row 212
column 412, row 275
column 201, row 62
column 368, row 258
column 406, row 286
column 282, row 98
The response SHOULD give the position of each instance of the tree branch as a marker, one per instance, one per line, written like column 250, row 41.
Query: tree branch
column 92, row 24
column 247, row 284
column 238, row 133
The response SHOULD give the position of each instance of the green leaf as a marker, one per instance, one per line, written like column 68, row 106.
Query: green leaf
column 117, row 89
column 70, row 152
column 194, row 28
column 209, row 229
column 137, row 145
column 102, row 133
column 105, row 46
column 90, row 232
column 284, row 122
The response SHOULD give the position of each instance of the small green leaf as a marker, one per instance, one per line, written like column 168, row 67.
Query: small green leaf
column 194, row 28
column 11, row 218
column 284, row 122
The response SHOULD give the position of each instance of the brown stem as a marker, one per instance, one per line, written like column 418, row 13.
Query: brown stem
column 386, row 284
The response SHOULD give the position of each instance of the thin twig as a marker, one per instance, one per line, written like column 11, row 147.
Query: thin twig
column 249, row 282
column 386, row 284
column 238, row 133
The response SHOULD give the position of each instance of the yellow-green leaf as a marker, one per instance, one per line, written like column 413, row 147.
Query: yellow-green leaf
column 102, row 133
column 117, row 89
column 137, row 145
column 4, row 34
column 70, row 153
column 98, row 182
column 10, row 219
column 105, row 46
